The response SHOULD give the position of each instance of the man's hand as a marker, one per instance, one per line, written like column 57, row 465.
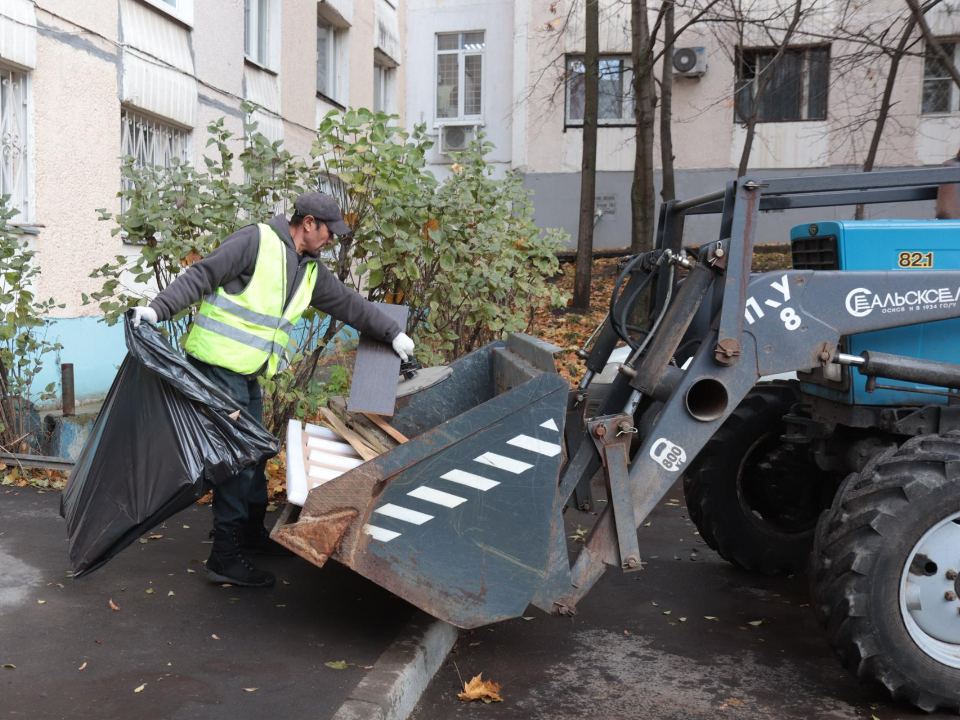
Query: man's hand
column 150, row 315
column 403, row 346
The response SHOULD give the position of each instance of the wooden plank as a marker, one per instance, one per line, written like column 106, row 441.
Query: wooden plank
column 349, row 435
column 387, row 428
column 376, row 372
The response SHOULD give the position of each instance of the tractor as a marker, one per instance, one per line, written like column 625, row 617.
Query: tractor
column 851, row 467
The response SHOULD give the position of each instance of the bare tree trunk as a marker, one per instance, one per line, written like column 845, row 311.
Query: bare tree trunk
column 642, row 192
column 766, row 76
column 588, row 167
column 884, row 111
column 668, row 190
column 933, row 46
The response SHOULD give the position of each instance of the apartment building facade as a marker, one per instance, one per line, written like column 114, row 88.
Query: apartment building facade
column 529, row 84
column 84, row 84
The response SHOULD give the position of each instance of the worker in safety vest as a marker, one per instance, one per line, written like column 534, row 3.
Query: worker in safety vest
column 255, row 287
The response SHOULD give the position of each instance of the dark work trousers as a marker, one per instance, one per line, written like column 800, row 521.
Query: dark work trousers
column 244, row 496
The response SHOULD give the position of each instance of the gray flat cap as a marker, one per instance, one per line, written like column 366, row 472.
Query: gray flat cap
column 323, row 208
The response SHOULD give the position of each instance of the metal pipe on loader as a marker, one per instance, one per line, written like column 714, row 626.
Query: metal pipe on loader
column 901, row 367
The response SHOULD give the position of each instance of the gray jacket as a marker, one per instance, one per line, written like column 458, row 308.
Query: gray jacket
column 231, row 266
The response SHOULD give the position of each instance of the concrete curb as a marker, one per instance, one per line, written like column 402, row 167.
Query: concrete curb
column 391, row 690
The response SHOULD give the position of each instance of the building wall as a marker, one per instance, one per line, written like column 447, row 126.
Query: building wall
column 84, row 70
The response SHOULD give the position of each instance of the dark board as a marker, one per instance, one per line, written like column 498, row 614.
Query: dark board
column 377, row 370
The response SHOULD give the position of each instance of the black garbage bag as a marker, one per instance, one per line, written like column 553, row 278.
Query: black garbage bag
column 163, row 438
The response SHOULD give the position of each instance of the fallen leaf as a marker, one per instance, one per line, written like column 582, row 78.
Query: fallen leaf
column 155, row 537
column 140, row 689
column 251, row 689
column 647, row 524
column 711, row 617
column 143, row 541
column 479, row 689
column 666, row 612
column 284, row 582
column 61, row 586
column 755, row 623
column 189, row 570
column 170, row 594
column 337, row 665
column 271, row 508
column 10, row 666
column 474, row 644
column 226, row 585
column 654, row 604
column 279, row 605
column 734, row 702
column 683, row 619
column 528, row 618
column 41, row 602
column 365, row 667
column 82, row 666
column 215, row 637
column 113, row 605
column 150, row 591
column 186, row 527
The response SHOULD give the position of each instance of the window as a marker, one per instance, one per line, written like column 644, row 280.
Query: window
column 796, row 91
column 383, row 79
column 328, row 60
column 257, row 31
column 460, row 75
column 151, row 142
column 939, row 91
column 14, row 136
column 182, row 10
column 615, row 98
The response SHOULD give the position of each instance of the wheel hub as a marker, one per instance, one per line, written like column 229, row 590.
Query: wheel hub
column 930, row 592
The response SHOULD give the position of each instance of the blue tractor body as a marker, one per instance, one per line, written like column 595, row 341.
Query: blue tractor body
column 895, row 245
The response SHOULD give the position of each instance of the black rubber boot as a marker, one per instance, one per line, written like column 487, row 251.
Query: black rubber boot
column 255, row 538
column 228, row 563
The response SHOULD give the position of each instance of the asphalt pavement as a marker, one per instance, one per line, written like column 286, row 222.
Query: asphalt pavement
column 677, row 640
column 178, row 647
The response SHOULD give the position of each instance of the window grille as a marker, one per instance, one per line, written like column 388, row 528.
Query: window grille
column 796, row 91
column 151, row 143
column 939, row 93
column 460, row 75
column 14, row 136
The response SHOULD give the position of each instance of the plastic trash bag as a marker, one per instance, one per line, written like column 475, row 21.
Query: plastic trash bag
column 163, row 438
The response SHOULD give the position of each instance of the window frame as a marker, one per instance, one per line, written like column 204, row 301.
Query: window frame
column 626, row 70
column 387, row 99
column 334, row 39
column 181, row 10
column 461, row 54
column 266, row 32
column 805, row 80
column 953, row 107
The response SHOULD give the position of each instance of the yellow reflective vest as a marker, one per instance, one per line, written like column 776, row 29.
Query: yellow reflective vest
column 250, row 331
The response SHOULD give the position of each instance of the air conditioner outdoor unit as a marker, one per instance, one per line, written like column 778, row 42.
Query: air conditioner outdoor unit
column 690, row 61
column 456, row 137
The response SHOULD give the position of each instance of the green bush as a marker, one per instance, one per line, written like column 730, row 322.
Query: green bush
column 463, row 254
column 23, row 333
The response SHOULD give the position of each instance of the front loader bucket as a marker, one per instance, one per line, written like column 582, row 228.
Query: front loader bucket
column 459, row 521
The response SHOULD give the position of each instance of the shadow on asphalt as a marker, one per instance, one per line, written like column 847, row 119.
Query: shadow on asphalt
column 275, row 640
column 642, row 646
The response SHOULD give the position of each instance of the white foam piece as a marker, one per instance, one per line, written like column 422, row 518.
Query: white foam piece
column 322, row 473
column 405, row 514
column 338, row 462
column 322, row 432
column 502, row 462
column 379, row 533
column 550, row 425
column 332, row 446
column 470, row 480
column 438, row 497
column 297, row 488
column 533, row 445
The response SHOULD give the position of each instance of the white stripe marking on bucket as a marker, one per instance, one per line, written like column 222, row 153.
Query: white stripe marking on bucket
column 550, row 425
column 470, row 480
column 379, row 533
column 437, row 497
column 538, row 446
column 405, row 514
column 504, row 463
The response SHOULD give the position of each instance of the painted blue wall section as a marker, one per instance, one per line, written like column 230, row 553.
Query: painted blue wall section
column 95, row 350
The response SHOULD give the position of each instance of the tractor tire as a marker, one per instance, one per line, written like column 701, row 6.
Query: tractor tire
column 753, row 501
column 884, row 568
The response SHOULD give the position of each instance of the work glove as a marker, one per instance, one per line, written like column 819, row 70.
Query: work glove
column 403, row 346
column 144, row 313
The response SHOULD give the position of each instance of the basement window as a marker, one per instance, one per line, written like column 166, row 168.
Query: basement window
column 796, row 90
